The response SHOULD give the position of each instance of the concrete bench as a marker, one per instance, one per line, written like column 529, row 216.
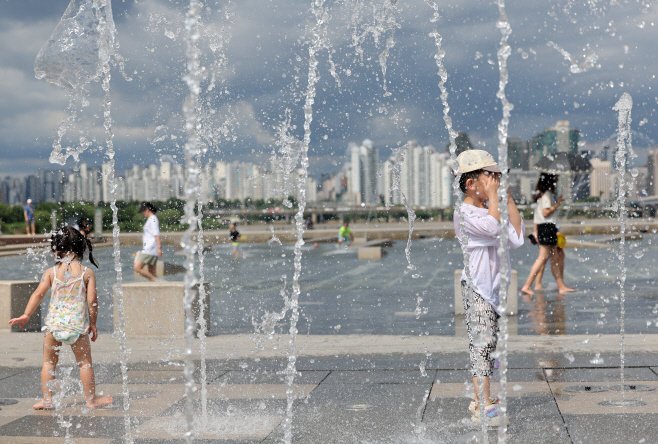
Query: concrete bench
column 155, row 309
column 512, row 294
column 13, row 300
column 368, row 253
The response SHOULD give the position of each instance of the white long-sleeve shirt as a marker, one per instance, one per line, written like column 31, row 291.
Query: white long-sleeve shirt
column 483, row 233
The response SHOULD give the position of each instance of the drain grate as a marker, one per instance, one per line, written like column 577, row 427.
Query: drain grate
column 8, row 401
column 586, row 388
column 357, row 407
column 623, row 403
column 634, row 388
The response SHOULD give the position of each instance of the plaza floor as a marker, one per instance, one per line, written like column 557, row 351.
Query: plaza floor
column 346, row 393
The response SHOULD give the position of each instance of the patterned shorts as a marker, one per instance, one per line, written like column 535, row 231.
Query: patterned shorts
column 482, row 328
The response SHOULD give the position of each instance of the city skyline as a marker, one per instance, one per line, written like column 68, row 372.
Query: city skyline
column 419, row 174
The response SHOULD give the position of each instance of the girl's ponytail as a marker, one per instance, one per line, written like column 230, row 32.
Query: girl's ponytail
column 91, row 256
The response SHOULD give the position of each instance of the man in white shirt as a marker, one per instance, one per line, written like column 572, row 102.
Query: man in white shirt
column 151, row 247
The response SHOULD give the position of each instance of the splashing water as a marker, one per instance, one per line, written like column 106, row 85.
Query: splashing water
column 63, row 388
column 274, row 239
column 285, row 159
column 462, row 234
column 201, row 320
column 117, row 287
column 576, row 68
column 192, row 78
column 318, row 41
column 383, row 21
column 504, row 52
column 623, row 107
column 396, row 168
column 419, row 427
column 389, row 19
column 78, row 51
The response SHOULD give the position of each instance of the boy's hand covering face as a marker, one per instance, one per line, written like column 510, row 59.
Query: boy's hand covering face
column 491, row 183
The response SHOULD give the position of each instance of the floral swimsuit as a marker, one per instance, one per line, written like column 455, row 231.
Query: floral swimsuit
column 68, row 313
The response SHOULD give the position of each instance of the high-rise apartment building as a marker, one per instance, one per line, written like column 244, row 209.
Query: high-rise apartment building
column 652, row 171
column 363, row 174
column 424, row 177
column 602, row 179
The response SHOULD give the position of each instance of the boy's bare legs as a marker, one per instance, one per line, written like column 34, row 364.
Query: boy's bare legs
column 50, row 359
column 486, row 388
column 539, row 264
column 82, row 351
column 146, row 272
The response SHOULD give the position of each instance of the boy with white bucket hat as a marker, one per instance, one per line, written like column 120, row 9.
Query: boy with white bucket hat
column 479, row 181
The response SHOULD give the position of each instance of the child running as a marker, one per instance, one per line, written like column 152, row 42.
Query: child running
column 71, row 315
column 479, row 182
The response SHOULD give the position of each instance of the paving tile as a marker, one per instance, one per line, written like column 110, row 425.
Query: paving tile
column 7, row 419
column 380, row 377
column 223, row 427
column 213, row 371
column 514, row 390
column 269, row 377
column 53, row 440
column 513, row 375
column 22, row 385
column 6, row 372
column 452, row 376
column 599, row 374
column 256, row 391
column 532, row 420
column 21, row 408
column 196, row 441
column 372, row 362
column 335, row 414
column 152, row 377
column 587, row 403
column 612, row 428
column 231, row 407
column 82, row 427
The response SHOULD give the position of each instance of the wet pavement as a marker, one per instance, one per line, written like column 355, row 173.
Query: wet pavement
column 365, row 328
column 370, row 398
column 343, row 295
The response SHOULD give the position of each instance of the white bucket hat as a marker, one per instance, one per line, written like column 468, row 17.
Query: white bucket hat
column 473, row 160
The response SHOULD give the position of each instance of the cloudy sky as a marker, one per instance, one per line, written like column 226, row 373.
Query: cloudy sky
column 256, row 57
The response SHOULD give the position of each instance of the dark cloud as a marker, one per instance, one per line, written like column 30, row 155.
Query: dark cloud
column 265, row 74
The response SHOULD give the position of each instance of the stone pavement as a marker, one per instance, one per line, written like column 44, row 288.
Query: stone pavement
column 346, row 394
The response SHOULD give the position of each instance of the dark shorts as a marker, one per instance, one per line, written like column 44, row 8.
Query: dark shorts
column 30, row 222
column 547, row 234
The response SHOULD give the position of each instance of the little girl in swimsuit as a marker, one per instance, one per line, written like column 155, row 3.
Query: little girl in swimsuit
column 71, row 314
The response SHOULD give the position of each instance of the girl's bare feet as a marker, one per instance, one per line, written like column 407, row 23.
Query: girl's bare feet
column 565, row 290
column 539, row 287
column 44, row 404
column 99, row 401
column 527, row 290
